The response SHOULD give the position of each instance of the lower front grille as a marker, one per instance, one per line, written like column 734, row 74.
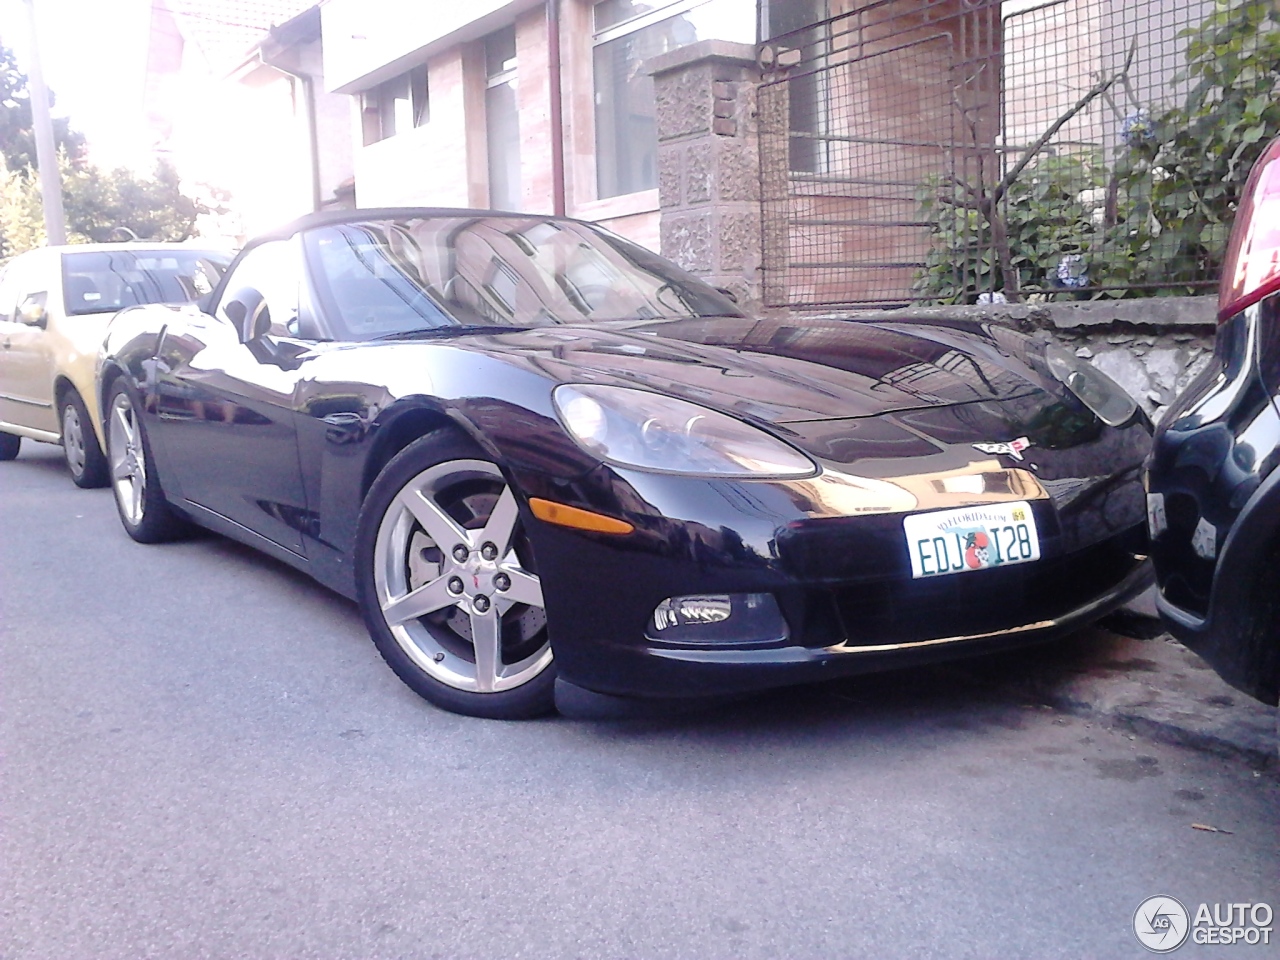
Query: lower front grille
column 984, row 601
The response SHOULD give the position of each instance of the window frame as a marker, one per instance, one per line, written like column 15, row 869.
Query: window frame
column 494, row 79
column 637, row 23
column 378, row 110
column 596, row 38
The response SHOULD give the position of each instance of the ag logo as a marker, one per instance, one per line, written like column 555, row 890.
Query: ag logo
column 1161, row 924
column 1013, row 448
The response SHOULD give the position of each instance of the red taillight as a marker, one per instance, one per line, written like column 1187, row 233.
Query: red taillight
column 1251, row 270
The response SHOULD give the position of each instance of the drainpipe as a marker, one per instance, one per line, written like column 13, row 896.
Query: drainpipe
column 557, row 108
column 308, row 83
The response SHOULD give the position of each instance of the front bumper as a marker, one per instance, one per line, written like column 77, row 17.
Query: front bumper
column 870, row 617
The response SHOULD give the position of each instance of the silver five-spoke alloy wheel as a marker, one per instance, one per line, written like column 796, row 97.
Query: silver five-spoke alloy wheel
column 128, row 463
column 450, row 585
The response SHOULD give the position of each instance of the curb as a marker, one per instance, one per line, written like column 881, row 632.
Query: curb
column 1159, row 689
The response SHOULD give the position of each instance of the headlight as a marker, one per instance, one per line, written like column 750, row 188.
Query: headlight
column 636, row 428
column 1106, row 398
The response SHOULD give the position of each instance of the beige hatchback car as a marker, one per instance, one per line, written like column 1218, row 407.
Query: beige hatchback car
column 55, row 304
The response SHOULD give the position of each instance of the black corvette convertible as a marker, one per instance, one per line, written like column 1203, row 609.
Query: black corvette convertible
column 553, row 468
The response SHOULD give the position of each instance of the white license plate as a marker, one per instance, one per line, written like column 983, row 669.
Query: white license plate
column 971, row 538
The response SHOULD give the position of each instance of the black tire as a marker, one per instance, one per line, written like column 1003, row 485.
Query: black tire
column 9, row 446
column 145, row 513
column 85, row 459
column 466, row 501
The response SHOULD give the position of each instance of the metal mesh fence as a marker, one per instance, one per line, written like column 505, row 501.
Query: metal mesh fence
column 955, row 151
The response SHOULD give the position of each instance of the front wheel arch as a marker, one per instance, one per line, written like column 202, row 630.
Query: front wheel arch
column 407, row 426
column 107, row 378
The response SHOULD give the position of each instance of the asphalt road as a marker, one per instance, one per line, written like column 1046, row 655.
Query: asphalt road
column 203, row 756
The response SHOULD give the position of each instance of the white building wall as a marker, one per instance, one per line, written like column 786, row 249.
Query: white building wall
column 367, row 41
column 428, row 165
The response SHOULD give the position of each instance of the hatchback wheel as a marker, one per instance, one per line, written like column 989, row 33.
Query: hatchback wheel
column 85, row 460
column 448, row 586
column 144, row 511
column 9, row 446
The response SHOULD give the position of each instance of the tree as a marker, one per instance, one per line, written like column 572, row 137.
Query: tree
column 21, row 221
column 100, row 206
column 17, row 142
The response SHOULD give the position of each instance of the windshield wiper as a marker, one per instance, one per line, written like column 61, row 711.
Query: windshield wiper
column 449, row 330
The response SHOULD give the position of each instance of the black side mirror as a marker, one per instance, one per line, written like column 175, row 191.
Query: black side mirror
column 727, row 294
column 247, row 309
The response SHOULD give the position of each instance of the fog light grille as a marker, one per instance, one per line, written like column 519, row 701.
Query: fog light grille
column 724, row 619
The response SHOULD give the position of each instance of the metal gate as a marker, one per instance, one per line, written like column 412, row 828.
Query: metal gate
column 905, row 143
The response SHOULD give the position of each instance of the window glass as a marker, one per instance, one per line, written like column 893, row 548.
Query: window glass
column 502, row 120
column 382, row 278
column 371, row 281
column 627, row 35
column 500, row 52
column 104, row 281
column 806, row 92
column 420, row 95
column 17, row 281
column 397, row 105
column 273, row 270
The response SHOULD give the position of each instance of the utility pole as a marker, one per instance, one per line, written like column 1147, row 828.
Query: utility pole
column 46, row 153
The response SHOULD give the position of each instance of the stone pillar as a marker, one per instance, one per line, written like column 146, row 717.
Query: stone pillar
column 709, row 164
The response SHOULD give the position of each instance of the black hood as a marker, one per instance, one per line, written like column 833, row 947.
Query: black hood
column 789, row 372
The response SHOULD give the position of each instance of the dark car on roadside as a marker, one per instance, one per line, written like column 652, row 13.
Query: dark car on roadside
column 555, row 469
column 1213, row 490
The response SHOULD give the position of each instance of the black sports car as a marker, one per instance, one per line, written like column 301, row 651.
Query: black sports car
column 554, row 468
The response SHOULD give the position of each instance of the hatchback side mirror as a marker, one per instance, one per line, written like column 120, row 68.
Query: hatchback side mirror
column 32, row 311
column 247, row 309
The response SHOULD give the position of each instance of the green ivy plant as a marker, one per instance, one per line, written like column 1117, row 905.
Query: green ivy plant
column 1053, row 210
column 1181, row 180
column 1157, row 222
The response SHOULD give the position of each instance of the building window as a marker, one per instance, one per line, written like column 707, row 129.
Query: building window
column 396, row 105
column 801, row 25
column 627, row 33
column 502, row 120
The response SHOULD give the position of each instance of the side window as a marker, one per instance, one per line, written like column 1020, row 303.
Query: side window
column 275, row 271
column 17, row 282
column 8, row 294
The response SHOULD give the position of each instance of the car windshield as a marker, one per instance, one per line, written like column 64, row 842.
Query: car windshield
column 388, row 278
column 104, row 281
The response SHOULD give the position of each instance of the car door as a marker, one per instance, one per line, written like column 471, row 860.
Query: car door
column 8, row 304
column 225, row 408
column 26, row 368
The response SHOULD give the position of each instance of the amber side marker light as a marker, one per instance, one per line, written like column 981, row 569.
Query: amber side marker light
column 566, row 516
column 1251, row 270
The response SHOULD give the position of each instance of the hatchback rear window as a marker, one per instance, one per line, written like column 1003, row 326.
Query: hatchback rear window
column 104, row 281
